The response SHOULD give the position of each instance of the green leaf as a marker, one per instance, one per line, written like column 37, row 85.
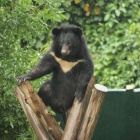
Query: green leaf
column 122, row 9
column 117, row 12
column 107, row 17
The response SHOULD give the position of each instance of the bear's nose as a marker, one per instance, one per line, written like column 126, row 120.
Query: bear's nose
column 65, row 50
column 64, row 53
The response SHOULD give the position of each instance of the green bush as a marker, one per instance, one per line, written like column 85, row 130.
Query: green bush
column 113, row 36
column 22, row 23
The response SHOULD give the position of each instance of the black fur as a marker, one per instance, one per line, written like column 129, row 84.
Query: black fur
column 71, row 64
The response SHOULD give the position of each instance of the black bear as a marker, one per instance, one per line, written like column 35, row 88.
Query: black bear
column 71, row 66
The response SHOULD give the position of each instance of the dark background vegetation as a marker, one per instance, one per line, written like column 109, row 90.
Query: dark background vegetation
column 112, row 30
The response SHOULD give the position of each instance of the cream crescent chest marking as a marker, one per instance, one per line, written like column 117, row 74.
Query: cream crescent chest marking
column 65, row 65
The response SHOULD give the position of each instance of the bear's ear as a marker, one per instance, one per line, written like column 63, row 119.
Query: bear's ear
column 78, row 31
column 55, row 31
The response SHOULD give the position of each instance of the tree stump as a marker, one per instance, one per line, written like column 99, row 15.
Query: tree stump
column 42, row 122
column 89, row 122
column 81, row 121
column 76, row 114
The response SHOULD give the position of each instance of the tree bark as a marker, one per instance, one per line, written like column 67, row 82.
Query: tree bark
column 81, row 121
column 89, row 122
column 43, row 123
column 39, row 129
column 76, row 114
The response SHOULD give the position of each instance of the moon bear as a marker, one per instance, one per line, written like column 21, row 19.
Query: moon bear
column 71, row 66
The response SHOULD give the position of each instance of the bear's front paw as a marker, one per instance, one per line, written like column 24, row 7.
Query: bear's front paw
column 79, row 96
column 23, row 78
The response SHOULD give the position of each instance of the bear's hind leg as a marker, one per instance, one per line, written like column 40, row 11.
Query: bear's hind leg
column 45, row 92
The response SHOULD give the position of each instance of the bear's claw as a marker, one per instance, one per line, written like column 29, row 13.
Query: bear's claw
column 22, row 79
column 79, row 96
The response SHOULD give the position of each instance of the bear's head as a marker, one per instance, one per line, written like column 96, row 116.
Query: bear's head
column 67, row 41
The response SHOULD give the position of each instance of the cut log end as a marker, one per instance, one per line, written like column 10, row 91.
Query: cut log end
column 101, row 88
column 130, row 87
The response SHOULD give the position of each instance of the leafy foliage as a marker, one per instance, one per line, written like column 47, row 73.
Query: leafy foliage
column 24, row 24
column 113, row 36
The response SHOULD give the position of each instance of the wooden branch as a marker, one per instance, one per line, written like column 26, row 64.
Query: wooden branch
column 76, row 114
column 42, row 121
column 89, row 122
column 81, row 121
column 38, row 128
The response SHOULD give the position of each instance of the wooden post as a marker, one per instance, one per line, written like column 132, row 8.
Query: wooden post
column 81, row 121
column 89, row 122
column 39, row 129
column 43, row 123
column 76, row 114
